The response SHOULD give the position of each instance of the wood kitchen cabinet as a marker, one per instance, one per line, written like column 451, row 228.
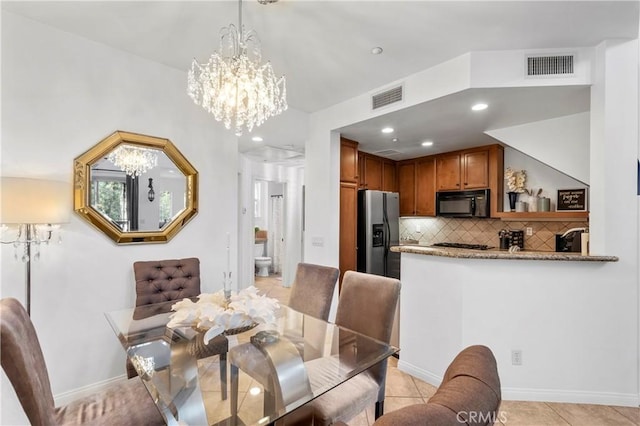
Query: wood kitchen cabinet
column 406, row 187
column 426, row 187
column 348, row 227
column 459, row 170
column 377, row 173
column 370, row 172
column 416, row 184
column 348, row 161
column 389, row 182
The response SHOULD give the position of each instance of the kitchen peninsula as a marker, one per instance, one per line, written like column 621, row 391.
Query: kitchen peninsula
column 542, row 306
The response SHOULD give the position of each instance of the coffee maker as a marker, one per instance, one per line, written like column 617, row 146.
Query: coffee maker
column 570, row 241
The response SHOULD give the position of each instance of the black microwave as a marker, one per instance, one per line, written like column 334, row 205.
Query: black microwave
column 463, row 203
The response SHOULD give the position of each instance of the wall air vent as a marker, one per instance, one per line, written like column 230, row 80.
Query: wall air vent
column 556, row 65
column 387, row 97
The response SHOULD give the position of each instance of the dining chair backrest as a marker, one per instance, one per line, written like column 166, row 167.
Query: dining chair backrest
column 165, row 280
column 367, row 305
column 471, row 385
column 23, row 363
column 123, row 403
column 312, row 289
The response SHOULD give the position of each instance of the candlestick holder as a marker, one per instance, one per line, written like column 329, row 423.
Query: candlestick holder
column 226, row 283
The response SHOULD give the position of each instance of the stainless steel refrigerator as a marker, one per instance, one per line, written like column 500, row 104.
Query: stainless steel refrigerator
column 378, row 230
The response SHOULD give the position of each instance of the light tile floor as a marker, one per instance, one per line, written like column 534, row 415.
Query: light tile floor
column 403, row 389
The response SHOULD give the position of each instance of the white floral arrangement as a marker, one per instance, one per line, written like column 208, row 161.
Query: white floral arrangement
column 214, row 313
column 515, row 180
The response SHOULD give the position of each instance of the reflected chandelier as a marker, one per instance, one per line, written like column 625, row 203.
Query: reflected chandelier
column 234, row 86
column 133, row 160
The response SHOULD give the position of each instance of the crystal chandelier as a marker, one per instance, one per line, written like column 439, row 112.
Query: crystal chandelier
column 234, row 86
column 133, row 160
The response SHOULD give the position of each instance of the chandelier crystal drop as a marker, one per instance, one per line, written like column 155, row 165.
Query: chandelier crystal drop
column 133, row 160
column 234, row 85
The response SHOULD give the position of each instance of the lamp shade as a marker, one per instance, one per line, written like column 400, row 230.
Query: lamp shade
column 26, row 200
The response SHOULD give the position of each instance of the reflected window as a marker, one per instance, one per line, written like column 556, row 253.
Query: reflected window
column 108, row 196
column 166, row 207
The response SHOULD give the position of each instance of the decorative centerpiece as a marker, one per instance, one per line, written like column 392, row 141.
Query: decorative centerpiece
column 515, row 182
column 215, row 314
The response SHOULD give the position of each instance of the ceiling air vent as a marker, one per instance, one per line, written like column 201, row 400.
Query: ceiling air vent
column 387, row 97
column 387, row 152
column 557, row 65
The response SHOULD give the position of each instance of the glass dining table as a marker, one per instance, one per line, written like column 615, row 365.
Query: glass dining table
column 275, row 369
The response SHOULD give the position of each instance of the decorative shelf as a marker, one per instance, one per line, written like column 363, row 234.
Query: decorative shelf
column 541, row 216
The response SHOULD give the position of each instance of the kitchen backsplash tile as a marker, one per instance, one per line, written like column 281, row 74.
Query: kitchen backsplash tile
column 431, row 230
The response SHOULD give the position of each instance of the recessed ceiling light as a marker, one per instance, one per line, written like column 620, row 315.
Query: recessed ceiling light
column 255, row 391
column 256, row 139
column 376, row 50
column 394, row 140
column 427, row 143
column 387, row 130
column 479, row 107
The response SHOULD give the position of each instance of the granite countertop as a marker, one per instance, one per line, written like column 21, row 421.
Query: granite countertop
column 498, row 254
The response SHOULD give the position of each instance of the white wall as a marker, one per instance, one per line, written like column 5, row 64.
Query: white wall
column 561, row 143
column 61, row 94
column 539, row 175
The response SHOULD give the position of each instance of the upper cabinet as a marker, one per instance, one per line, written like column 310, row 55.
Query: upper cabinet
column 407, row 185
column 348, row 160
column 459, row 170
column 377, row 173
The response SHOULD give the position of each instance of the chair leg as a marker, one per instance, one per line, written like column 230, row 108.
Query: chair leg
column 223, row 375
column 379, row 409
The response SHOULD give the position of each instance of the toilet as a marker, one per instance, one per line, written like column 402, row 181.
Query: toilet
column 262, row 263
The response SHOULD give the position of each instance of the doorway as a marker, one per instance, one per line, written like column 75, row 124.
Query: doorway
column 269, row 228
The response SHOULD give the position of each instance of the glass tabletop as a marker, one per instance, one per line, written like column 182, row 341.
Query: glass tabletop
column 274, row 369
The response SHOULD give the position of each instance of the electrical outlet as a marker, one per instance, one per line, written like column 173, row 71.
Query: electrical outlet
column 418, row 227
column 529, row 231
column 516, row 357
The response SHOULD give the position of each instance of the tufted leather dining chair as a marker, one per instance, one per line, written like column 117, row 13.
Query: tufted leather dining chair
column 175, row 279
column 126, row 404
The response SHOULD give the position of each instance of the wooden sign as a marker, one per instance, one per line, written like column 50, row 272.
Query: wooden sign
column 572, row 200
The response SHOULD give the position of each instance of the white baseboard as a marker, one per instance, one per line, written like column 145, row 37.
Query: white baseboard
column 65, row 398
column 538, row 395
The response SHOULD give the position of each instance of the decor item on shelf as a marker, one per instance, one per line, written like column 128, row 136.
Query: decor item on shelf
column 133, row 160
column 218, row 314
column 151, row 195
column 515, row 182
column 35, row 208
column 533, row 199
column 521, row 206
column 544, row 204
column 234, row 85
column 513, row 198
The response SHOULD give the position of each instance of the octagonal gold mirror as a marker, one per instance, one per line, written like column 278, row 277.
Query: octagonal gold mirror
column 135, row 188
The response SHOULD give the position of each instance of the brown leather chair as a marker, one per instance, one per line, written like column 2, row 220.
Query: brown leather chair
column 21, row 357
column 175, row 279
column 469, row 395
column 367, row 305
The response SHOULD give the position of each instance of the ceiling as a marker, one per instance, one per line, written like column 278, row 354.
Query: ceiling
column 324, row 50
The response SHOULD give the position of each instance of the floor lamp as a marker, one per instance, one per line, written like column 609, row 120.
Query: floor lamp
column 35, row 208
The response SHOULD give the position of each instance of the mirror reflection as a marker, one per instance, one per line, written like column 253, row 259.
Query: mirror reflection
column 147, row 201
column 135, row 188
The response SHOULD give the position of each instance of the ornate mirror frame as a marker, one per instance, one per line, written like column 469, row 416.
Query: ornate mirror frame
column 82, row 185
